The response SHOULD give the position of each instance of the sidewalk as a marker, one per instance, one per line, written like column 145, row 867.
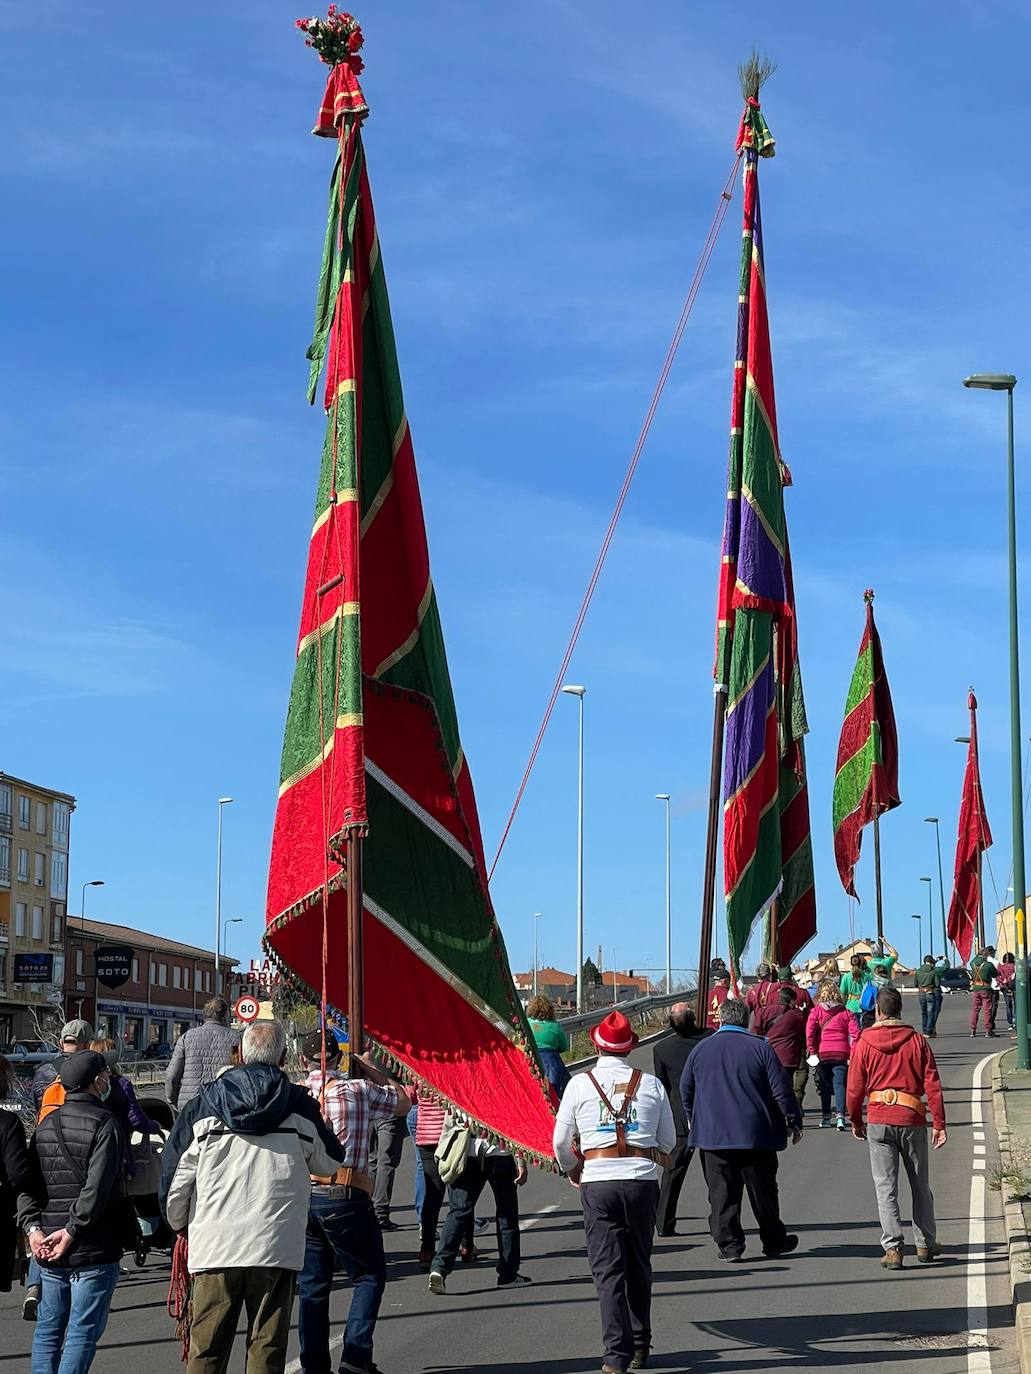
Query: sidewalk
column 1011, row 1098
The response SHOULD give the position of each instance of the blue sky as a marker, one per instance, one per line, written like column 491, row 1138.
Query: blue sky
column 543, row 181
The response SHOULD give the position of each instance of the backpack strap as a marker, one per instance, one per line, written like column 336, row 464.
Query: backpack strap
column 619, row 1118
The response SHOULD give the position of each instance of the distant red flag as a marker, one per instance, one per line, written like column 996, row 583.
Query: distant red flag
column 974, row 838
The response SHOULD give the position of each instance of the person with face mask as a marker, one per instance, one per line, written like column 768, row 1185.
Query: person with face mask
column 72, row 1210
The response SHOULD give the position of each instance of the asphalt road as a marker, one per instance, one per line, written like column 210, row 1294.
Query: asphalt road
column 827, row 1307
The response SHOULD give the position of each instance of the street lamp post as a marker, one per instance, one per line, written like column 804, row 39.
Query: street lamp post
column 95, row 882
column 222, row 801
column 933, row 820
column 930, row 915
column 987, row 381
column 920, row 933
column 229, row 921
column 615, row 996
column 573, row 690
column 664, row 797
column 536, row 969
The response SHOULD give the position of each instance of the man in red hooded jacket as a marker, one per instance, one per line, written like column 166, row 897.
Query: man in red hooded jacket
column 893, row 1066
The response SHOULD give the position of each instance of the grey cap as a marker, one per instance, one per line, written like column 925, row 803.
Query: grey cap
column 77, row 1030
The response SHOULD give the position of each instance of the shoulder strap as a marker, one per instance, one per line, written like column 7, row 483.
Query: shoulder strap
column 73, row 1163
column 620, row 1118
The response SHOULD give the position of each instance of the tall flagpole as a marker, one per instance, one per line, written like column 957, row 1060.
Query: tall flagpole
column 711, row 838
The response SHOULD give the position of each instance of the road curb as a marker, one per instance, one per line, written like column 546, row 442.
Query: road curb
column 1018, row 1243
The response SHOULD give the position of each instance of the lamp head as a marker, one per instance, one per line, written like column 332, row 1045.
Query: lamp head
column 991, row 381
column 662, row 796
column 97, row 882
column 930, row 820
column 224, row 801
column 925, row 880
column 962, row 739
column 573, row 690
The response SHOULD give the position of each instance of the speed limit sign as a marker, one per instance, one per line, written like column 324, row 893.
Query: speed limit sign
column 247, row 1008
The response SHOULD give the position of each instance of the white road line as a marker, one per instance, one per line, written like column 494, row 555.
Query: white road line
column 979, row 1357
column 553, row 1207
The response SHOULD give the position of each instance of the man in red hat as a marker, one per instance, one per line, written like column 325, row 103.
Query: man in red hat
column 614, row 1127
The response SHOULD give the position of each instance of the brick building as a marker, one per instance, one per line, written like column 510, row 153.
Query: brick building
column 169, row 985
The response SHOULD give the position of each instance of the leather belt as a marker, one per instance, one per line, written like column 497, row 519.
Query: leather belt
column 895, row 1097
column 347, row 1178
column 614, row 1152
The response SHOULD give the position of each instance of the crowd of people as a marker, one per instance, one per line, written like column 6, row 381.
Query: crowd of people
column 275, row 1186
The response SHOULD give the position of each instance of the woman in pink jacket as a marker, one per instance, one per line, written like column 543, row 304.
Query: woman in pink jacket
column 830, row 1033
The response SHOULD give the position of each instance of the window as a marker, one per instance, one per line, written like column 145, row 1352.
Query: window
column 207, row 980
column 5, row 858
column 62, row 813
column 55, row 930
column 136, row 970
column 162, row 975
column 177, row 976
column 5, row 800
column 153, row 973
column 21, row 911
column 78, row 962
column 24, row 812
column 58, row 969
column 59, row 874
column 37, row 923
column 41, row 818
column 40, row 869
column 186, row 978
column 23, row 865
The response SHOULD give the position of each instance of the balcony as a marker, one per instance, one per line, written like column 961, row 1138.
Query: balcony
column 5, row 931
column 5, row 822
column 5, row 877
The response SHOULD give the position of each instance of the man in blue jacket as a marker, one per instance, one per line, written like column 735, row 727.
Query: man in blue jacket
column 739, row 1101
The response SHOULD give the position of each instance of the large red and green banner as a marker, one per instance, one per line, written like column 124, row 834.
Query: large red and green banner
column 767, row 845
column 372, row 741
column 973, row 839
column 866, row 780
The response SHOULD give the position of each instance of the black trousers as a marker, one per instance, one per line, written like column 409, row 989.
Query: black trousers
column 432, row 1202
column 388, row 1140
column 728, row 1173
column 500, row 1172
column 669, row 1188
column 619, row 1222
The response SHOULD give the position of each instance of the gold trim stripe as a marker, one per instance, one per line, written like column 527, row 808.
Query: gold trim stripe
column 388, row 481
column 345, row 608
column 409, row 644
column 344, row 722
column 344, row 497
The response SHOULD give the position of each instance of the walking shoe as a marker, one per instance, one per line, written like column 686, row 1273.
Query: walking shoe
column 520, row 1281
column 672, row 1231
column 468, row 1254
column 990, row 1035
column 359, row 1367
column 611, row 1369
column 640, row 1359
column 891, row 1259
column 385, row 1224
column 839, row 1125
column 790, row 1243
column 31, row 1303
column 437, row 1282
column 973, row 1033
column 731, row 1256
column 825, row 1122
column 927, row 1254
column 481, row 1224
column 425, row 1259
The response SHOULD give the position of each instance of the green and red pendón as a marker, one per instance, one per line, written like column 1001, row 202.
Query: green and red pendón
column 866, row 781
column 767, row 842
column 372, row 743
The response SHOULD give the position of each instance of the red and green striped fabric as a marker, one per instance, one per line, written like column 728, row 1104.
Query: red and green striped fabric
column 866, row 782
column 372, row 735
column 767, row 843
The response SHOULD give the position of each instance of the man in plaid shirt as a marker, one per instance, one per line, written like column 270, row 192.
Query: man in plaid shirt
column 342, row 1229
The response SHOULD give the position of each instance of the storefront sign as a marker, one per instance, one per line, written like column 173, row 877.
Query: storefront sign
column 33, row 968
column 260, row 980
column 113, row 964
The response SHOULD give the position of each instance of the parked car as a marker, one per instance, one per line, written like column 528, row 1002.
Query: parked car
column 161, row 1050
column 955, row 980
column 29, row 1052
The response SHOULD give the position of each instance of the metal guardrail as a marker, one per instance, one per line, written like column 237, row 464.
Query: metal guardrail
column 637, row 1006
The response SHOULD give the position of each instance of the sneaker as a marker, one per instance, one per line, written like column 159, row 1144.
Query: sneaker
column 927, row 1254
column 468, row 1254
column 437, row 1283
column 891, row 1259
column 790, row 1243
column 358, row 1367
column 31, row 1303
column 640, row 1358
column 731, row 1256
column 825, row 1122
column 385, row 1224
column 611, row 1369
column 839, row 1125
column 425, row 1260
column 481, row 1224
column 990, row 1035
column 520, row 1281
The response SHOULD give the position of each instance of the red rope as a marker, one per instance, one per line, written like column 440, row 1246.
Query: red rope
column 178, row 1300
column 635, row 457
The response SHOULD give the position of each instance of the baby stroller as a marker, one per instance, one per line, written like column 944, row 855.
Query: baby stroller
column 155, row 1234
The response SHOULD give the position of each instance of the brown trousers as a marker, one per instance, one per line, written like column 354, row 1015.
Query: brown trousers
column 267, row 1296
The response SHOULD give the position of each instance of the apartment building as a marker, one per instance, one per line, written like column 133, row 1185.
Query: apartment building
column 35, row 824
column 164, row 995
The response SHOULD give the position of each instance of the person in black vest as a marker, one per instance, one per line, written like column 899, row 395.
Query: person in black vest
column 13, row 1177
column 71, row 1211
column 669, row 1057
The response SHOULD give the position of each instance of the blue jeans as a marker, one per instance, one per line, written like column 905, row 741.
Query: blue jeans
column 71, row 1318
column 343, row 1233
column 831, row 1075
column 420, row 1177
column 930, row 1010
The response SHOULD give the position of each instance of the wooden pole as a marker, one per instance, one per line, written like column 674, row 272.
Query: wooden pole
column 711, row 838
column 355, row 952
column 877, row 881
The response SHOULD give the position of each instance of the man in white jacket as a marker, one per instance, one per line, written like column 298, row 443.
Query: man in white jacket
column 236, row 1173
